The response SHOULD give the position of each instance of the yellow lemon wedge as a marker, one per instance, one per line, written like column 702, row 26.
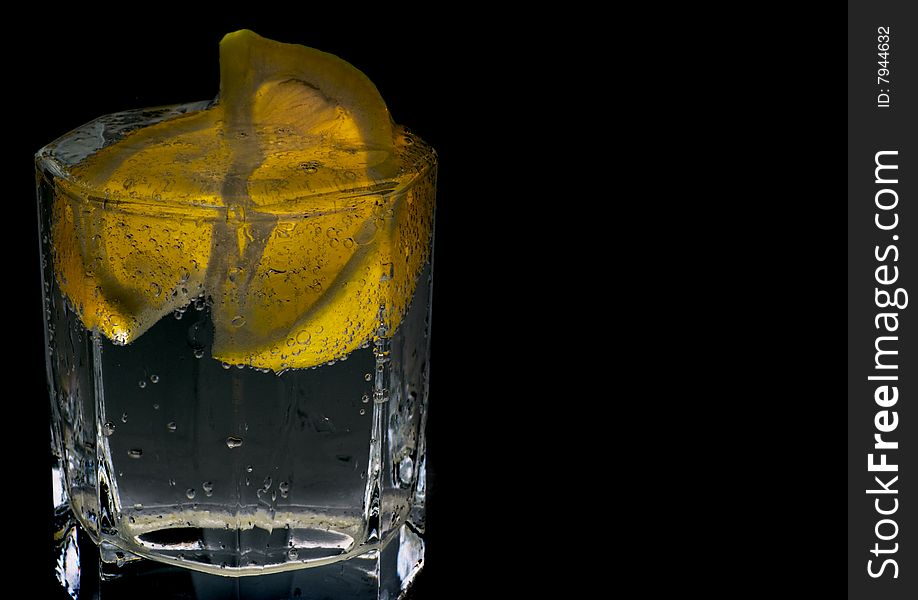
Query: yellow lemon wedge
column 292, row 203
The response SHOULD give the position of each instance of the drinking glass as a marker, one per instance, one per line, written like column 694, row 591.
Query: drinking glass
column 243, row 473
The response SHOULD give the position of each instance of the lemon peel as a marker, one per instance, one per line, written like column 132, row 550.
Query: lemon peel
column 292, row 202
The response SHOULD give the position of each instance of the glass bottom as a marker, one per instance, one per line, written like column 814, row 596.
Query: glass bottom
column 89, row 572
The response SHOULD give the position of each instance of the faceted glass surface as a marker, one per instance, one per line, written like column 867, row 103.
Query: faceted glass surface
column 313, row 478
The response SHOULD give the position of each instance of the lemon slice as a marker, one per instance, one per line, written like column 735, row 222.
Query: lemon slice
column 292, row 202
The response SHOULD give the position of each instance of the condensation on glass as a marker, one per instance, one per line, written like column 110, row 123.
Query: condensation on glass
column 163, row 453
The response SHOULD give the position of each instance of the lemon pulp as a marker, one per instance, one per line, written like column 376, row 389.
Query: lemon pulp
column 292, row 202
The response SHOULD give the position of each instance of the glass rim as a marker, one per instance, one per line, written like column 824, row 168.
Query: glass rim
column 49, row 160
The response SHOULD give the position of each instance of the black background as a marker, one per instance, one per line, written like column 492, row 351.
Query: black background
column 483, row 100
column 537, row 147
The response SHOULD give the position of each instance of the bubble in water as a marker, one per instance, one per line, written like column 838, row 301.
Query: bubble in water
column 406, row 470
column 233, row 442
column 238, row 321
column 171, row 482
column 108, row 428
column 178, row 315
column 292, row 554
column 156, row 289
column 303, row 337
column 124, row 417
column 171, row 426
column 142, row 384
column 249, row 469
column 190, row 493
column 367, row 377
column 363, row 411
column 199, row 353
column 135, row 452
column 138, row 506
column 284, row 488
column 155, row 406
column 364, row 398
column 208, row 488
column 225, row 365
column 154, row 378
column 267, row 483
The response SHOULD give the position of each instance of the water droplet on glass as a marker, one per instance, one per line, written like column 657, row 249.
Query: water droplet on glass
column 171, row 426
column 406, row 470
column 154, row 378
column 292, row 553
column 310, row 167
column 108, row 428
column 208, row 488
column 233, row 442
column 135, row 452
column 190, row 493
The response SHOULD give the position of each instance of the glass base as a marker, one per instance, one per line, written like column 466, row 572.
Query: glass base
column 89, row 572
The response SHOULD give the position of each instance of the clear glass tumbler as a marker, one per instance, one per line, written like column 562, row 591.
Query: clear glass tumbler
column 187, row 427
